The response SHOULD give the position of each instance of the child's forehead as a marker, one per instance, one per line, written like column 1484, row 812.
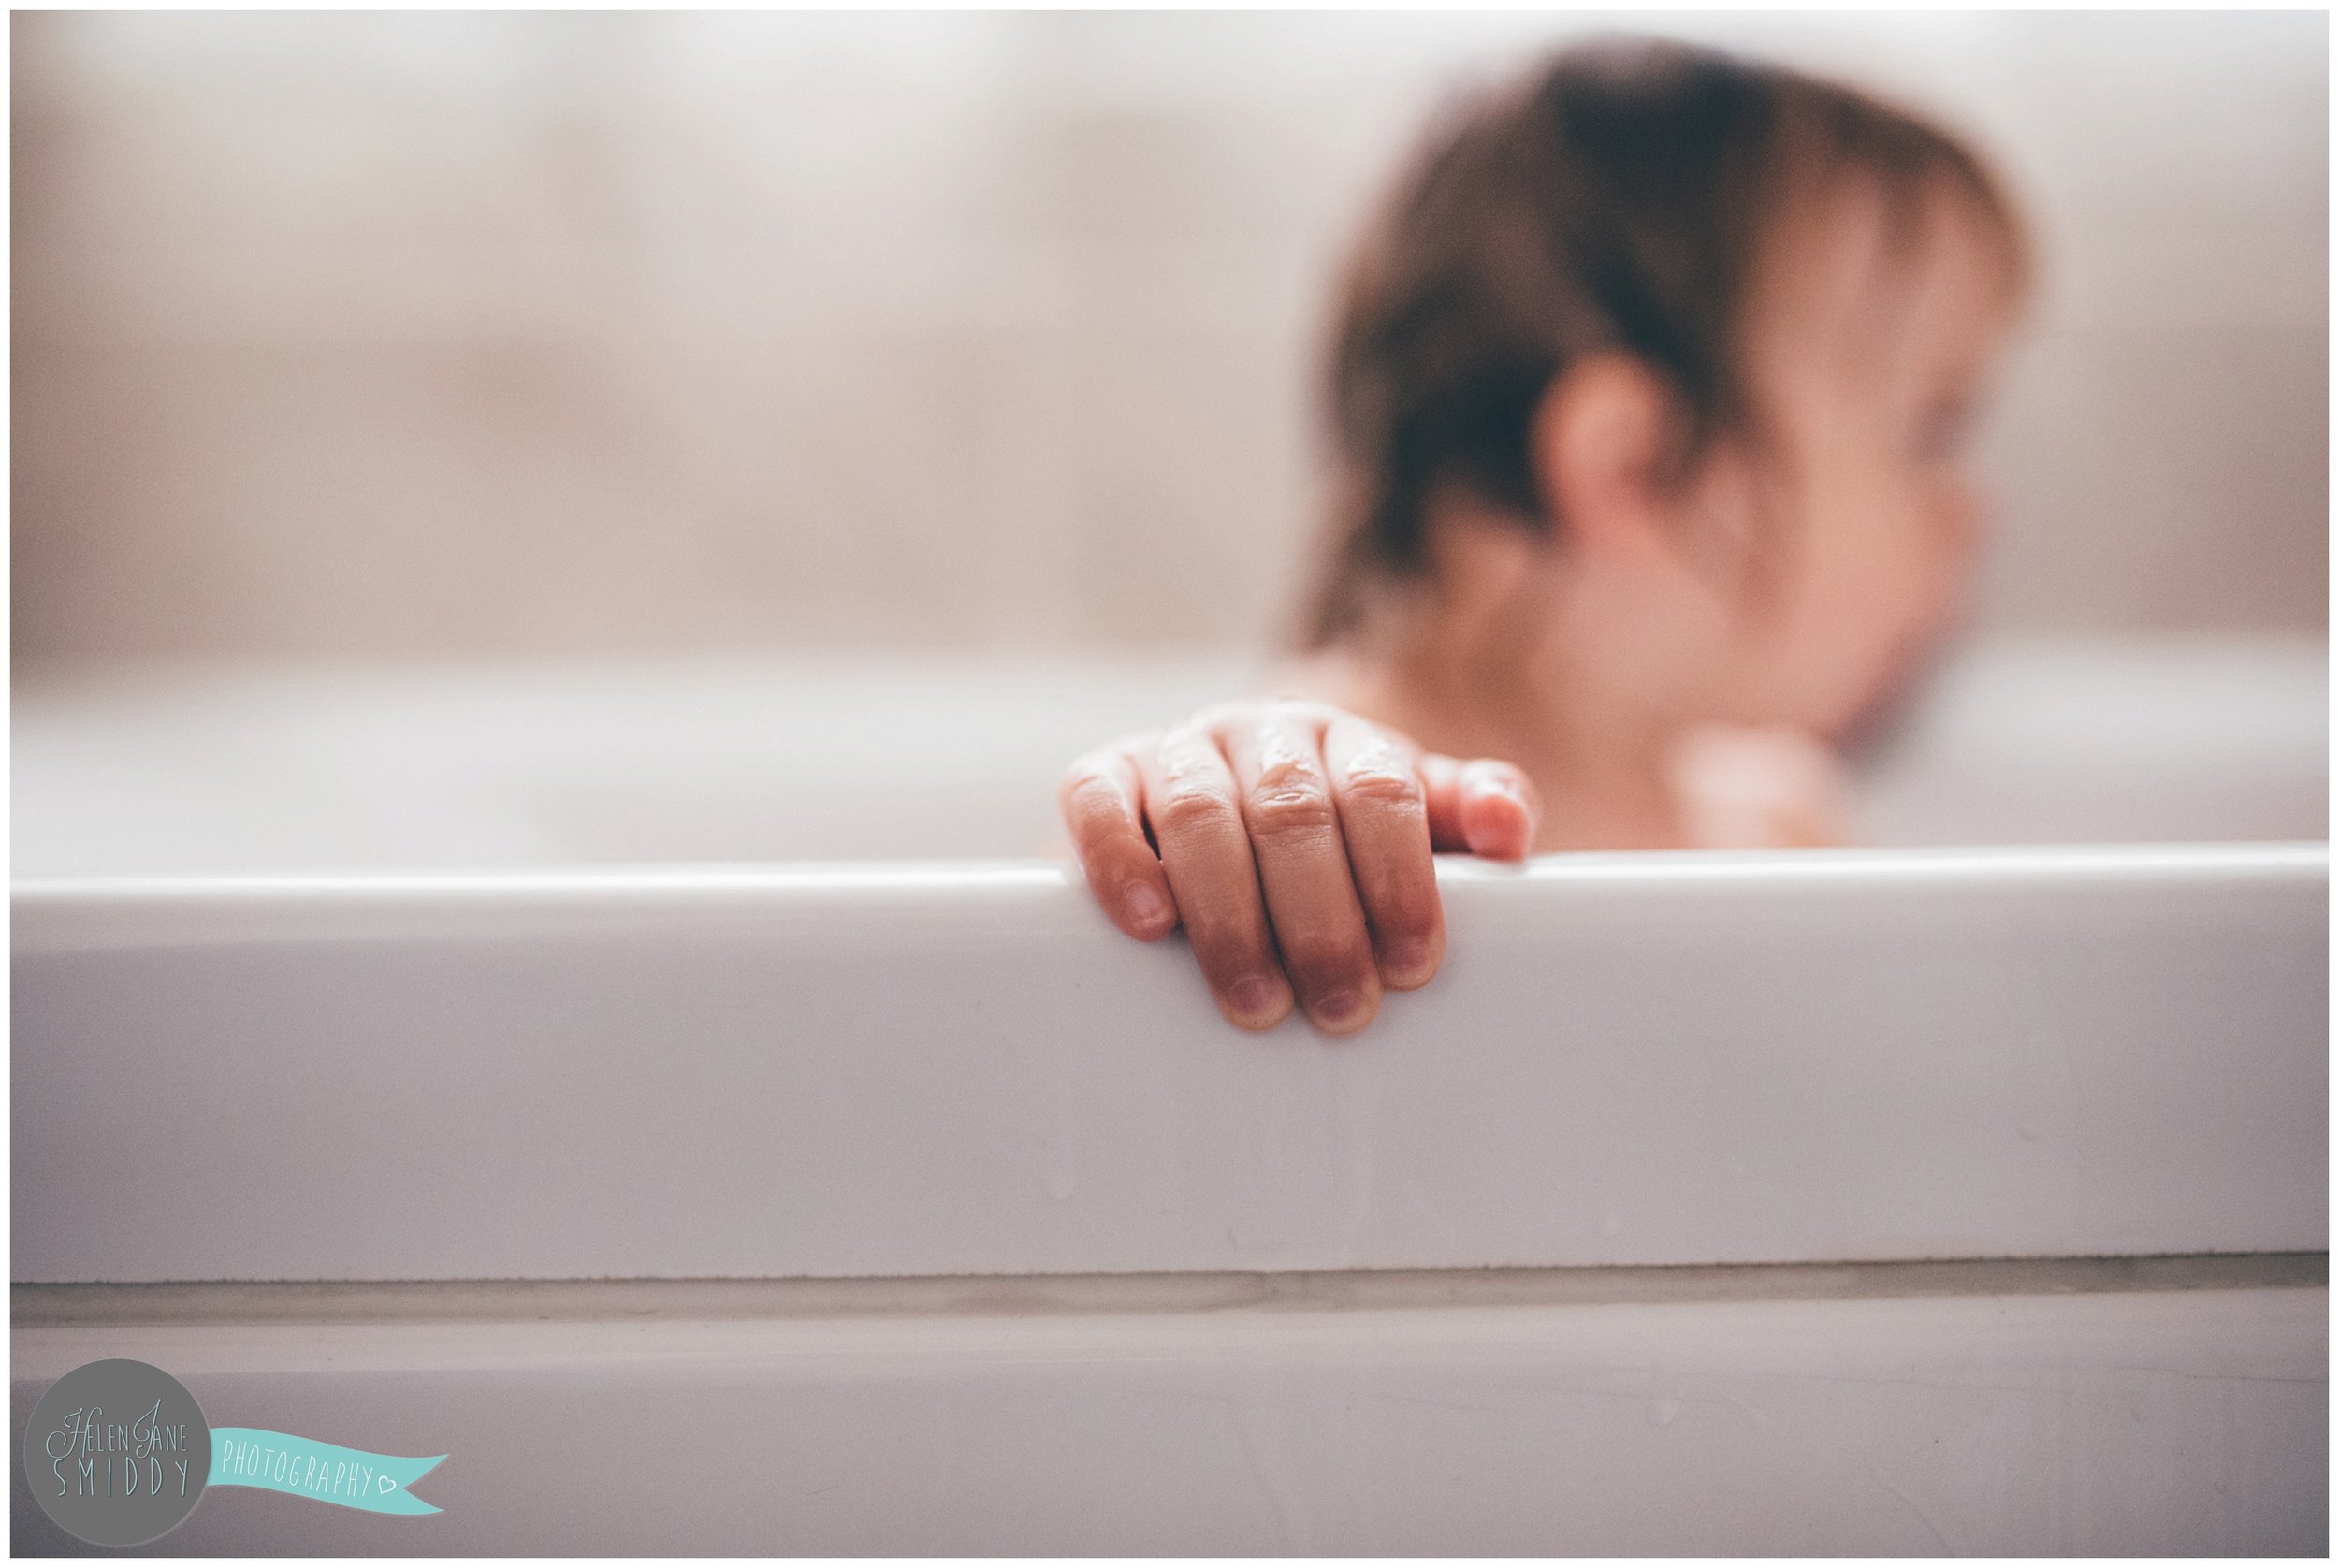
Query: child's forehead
column 1853, row 273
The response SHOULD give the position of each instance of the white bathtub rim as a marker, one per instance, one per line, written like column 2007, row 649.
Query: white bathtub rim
column 79, row 914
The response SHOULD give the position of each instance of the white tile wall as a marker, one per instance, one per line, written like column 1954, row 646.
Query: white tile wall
column 539, row 333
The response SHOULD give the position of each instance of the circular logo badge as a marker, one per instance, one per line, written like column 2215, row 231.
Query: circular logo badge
column 118, row 1452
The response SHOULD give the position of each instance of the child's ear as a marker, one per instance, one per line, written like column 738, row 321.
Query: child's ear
column 1599, row 441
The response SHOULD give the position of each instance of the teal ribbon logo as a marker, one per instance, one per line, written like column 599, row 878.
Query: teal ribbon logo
column 253, row 1456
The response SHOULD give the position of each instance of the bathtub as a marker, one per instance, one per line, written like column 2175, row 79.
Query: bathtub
column 650, row 1087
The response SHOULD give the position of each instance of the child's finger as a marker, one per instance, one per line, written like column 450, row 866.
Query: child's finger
column 1190, row 801
column 1099, row 797
column 1482, row 806
column 1384, row 817
column 1500, row 809
column 1441, row 782
column 1311, row 894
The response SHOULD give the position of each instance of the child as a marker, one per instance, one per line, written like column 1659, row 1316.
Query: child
column 1650, row 389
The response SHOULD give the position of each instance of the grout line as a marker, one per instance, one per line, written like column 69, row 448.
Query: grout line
column 986, row 1296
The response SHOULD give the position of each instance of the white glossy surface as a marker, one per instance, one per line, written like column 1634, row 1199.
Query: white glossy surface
column 1628, row 1059
column 2190, row 1422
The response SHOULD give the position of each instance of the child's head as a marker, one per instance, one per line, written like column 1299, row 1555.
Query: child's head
column 1658, row 368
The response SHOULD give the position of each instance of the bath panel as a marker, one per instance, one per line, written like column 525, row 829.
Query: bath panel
column 905, row 1070
column 2116, row 1422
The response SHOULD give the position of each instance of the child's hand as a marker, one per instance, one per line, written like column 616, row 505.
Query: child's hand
column 1294, row 844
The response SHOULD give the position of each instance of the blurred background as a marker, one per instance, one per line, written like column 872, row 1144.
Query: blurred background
column 480, row 440
column 440, row 335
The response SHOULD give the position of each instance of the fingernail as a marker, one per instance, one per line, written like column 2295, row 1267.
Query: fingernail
column 1339, row 1009
column 1409, row 964
column 1255, row 998
column 1144, row 906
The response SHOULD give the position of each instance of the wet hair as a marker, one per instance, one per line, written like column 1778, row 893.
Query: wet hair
column 1619, row 198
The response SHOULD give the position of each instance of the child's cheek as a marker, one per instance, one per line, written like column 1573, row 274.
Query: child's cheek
column 1859, row 617
column 1898, row 614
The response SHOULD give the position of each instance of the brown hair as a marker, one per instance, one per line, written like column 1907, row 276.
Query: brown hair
column 1616, row 198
